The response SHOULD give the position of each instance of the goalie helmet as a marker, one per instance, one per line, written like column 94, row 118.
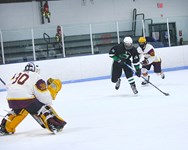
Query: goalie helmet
column 142, row 42
column 128, row 42
column 32, row 67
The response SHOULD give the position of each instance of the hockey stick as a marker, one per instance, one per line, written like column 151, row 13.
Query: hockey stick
column 34, row 116
column 2, row 81
column 166, row 94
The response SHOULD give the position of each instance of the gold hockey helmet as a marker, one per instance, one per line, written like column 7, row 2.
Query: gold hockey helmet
column 142, row 40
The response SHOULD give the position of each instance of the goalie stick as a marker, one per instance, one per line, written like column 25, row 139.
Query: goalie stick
column 34, row 116
column 166, row 94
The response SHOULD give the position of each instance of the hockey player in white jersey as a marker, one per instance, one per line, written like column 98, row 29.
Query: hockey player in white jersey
column 148, row 58
column 28, row 93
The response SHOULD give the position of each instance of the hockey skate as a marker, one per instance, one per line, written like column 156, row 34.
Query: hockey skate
column 3, row 131
column 162, row 75
column 133, row 87
column 145, row 82
column 55, row 125
column 52, row 128
column 118, row 84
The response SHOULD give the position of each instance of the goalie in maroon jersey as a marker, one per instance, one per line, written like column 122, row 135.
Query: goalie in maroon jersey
column 28, row 93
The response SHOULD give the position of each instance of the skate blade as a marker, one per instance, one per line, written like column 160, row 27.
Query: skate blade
column 56, row 131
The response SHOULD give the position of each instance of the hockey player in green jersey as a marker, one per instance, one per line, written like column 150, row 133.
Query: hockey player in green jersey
column 122, row 54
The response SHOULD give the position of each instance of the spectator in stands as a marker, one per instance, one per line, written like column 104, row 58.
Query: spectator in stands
column 58, row 35
column 45, row 11
column 181, row 41
column 58, row 38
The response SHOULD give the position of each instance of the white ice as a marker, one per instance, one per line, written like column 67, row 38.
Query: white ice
column 101, row 118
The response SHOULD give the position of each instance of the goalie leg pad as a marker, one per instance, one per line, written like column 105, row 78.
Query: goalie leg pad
column 55, row 114
column 38, row 119
column 50, row 119
column 12, row 120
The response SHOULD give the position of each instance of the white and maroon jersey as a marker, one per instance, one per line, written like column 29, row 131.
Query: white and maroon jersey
column 148, row 53
column 28, row 85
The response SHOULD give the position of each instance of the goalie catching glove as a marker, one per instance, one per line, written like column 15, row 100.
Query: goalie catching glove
column 54, row 86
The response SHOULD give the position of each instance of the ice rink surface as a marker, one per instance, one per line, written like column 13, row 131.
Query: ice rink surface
column 101, row 118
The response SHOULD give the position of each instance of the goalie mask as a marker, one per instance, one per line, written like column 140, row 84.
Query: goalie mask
column 32, row 67
column 128, row 42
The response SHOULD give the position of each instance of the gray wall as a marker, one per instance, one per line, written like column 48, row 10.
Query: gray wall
column 24, row 15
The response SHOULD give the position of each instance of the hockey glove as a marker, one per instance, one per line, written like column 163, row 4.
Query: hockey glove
column 145, row 62
column 120, row 61
column 54, row 86
column 138, row 72
column 123, row 58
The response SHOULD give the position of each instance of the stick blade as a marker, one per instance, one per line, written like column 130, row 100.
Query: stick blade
column 166, row 94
